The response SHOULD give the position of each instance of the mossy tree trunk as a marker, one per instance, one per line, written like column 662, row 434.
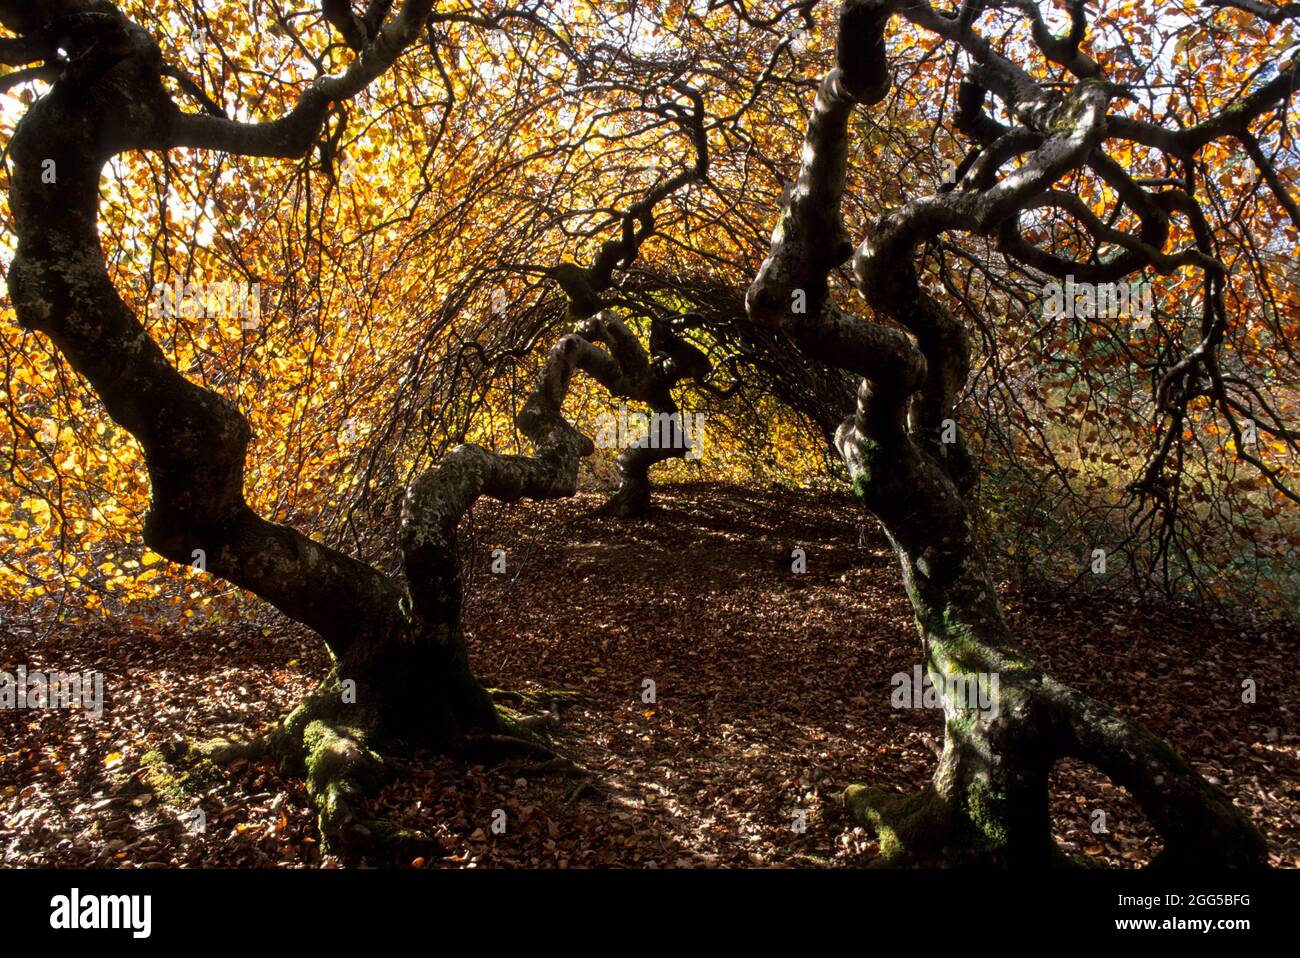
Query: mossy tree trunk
column 987, row 802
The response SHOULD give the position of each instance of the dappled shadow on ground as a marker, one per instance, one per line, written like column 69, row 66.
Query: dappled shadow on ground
column 771, row 693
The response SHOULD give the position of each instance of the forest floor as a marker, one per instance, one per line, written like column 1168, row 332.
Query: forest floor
column 771, row 694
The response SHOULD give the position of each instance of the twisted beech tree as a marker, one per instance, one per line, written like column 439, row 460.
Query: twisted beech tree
column 401, row 674
column 988, row 798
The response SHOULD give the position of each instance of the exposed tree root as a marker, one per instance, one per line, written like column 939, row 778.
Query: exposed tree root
column 343, row 759
column 179, row 769
column 987, row 802
column 912, row 829
column 499, row 746
column 559, row 765
column 590, row 785
column 549, row 699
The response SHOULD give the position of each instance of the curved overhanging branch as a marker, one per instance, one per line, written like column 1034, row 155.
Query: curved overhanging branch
column 109, row 99
column 584, row 285
column 1080, row 120
column 1270, row 12
column 438, row 499
column 292, row 135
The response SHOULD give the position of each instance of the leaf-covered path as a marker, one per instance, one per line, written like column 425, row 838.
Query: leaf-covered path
column 771, row 693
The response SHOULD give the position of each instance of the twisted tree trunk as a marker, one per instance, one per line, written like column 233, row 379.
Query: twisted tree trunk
column 649, row 379
column 988, row 800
